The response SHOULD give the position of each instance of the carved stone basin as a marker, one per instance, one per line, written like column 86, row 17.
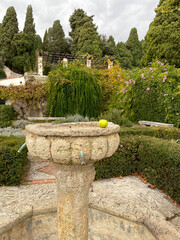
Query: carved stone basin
column 74, row 148
column 62, row 143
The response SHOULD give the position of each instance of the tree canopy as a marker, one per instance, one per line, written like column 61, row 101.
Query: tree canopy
column 133, row 44
column 162, row 40
column 9, row 28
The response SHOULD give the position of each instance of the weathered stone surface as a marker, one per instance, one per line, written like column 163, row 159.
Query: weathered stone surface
column 73, row 183
column 62, row 143
column 127, row 199
column 155, row 124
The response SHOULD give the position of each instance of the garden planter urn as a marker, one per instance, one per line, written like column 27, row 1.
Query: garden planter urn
column 73, row 148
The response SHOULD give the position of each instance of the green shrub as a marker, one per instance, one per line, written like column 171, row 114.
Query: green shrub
column 11, row 162
column 6, row 115
column 152, row 94
column 74, row 89
column 2, row 74
column 114, row 115
column 74, row 118
column 157, row 159
column 158, row 132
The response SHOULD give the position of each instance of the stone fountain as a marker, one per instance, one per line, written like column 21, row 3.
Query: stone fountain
column 74, row 148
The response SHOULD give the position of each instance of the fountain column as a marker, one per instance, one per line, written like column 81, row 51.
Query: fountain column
column 73, row 148
column 73, row 183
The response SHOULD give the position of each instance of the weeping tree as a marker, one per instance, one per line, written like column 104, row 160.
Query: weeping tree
column 74, row 89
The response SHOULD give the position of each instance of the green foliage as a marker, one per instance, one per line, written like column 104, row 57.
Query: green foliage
column 6, row 115
column 46, row 41
column 158, row 132
column 2, row 58
column 134, row 45
column 9, row 28
column 38, row 42
column 57, row 36
column 2, row 74
column 155, row 96
column 123, row 55
column 163, row 37
column 74, row 89
column 29, row 30
column 84, row 34
column 115, row 116
column 89, row 41
column 158, row 160
column 30, row 94
column 29, row 26
column 11, row 162
column 107, row 45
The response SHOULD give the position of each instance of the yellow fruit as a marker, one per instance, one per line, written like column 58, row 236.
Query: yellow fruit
column 103, row 123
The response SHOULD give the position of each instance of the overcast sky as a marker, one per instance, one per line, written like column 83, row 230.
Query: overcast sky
column 113, row 17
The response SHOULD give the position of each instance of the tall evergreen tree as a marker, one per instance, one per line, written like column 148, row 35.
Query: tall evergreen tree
column 38, row 42
column 29, row 26
column 58, row 43
column 111, row 44
column 106, row 46
column 29, row 29
column 45, row 41
column 80, row 22
column 9, row 28
column 162, row 40
column 123, row 55
column 133, row 44
column 89, row 41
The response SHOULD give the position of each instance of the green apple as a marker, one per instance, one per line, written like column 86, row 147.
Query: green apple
column 103, row 123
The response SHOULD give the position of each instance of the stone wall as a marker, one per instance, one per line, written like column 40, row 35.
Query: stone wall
column 102, row 226
column 11, row 74
column 35, row 78
column 23, row 110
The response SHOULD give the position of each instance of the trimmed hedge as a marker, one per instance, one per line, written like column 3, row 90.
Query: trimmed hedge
column 158, row 132
column 11, row 162
column 157, row 159
column 6, row 115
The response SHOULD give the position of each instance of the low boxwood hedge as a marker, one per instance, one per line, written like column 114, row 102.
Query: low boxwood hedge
column 6, row 115
column 157, row 159
column 158, row 132
column 11, row 162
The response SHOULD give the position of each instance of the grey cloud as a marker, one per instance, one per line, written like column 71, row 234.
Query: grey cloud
column 113, row 17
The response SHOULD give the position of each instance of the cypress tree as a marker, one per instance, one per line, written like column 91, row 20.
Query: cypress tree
column 29, row 26
column 9, row 28
column 29, row 29
column 45, row 41
column 38, row 42
column 123, row 55
column 58, row 43
column 133, row 44
column 77, row 23
column 162, row 40
column 111, row 44
column 89, row 41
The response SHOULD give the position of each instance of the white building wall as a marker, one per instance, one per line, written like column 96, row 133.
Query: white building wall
column 14, row 81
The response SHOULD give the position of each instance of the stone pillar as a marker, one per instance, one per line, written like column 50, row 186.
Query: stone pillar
column 73, row 183
column 40, row 65
column 110, row 64
column 89, row 63
column 65, row 62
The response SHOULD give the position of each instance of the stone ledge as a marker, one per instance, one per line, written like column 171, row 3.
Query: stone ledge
column 155, row 124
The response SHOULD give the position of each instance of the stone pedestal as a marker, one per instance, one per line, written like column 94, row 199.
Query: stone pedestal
column 73, row 183
column 73, row 148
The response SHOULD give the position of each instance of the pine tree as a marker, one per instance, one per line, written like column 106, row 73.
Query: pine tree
column 123, row 55
column 9, row 28
column 162, row 40
column 133, row 44
column 58, row 43
column 79, row 22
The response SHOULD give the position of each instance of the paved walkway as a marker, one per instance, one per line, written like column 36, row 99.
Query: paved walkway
column 39, row 172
